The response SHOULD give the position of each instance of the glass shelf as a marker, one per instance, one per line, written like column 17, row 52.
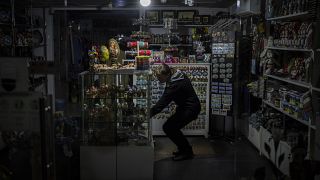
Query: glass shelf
column 123, row 119
column 182, row 25
column 187, row 45
column 291, row 17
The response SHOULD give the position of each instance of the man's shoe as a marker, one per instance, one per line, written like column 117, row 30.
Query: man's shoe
column 176, row 153
column 183, row 156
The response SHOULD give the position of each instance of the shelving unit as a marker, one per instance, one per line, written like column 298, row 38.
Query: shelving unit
column 291, row 100
column 23, row 45
column 196, row 25
column 287, row 114
column 290, row 81
column 187, row 45
column 182, row 25
column 290, row 49
column 316, row 89
column 5, row 24
column 302, row 15
column 286, row 108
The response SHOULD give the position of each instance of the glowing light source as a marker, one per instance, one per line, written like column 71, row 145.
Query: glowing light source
column 238, row 3
column 145, row 2
column 188, row 2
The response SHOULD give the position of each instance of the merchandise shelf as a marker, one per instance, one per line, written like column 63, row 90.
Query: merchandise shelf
column 170, row 44
column 120, row 98
column 199, row 82
column 293, row 117
column 5, row 23
column 316, row 89
column 128, row 60
column 290, row 49
column 302, row 15
column 196, row 25
column 156, row 25
column 117, row 71
column 183, row 25
column 297, row 83
column 186, row 64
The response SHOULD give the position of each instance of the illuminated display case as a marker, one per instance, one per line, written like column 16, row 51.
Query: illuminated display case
column 116, row 126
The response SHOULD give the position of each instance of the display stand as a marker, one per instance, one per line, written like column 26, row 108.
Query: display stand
column 223, row 75
column 116, row 131
column 199, row 74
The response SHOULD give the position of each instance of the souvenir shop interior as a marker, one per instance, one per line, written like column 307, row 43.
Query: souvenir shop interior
column 78, row 83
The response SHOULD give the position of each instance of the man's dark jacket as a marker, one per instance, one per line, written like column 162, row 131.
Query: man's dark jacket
column 179, row 90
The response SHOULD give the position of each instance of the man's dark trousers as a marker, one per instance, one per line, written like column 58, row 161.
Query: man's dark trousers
column 172, row 127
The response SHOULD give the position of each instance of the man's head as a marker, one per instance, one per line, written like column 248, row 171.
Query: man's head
column 163, row 73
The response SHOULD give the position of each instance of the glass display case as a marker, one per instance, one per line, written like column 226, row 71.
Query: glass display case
column 115, row 108
column 116, row 131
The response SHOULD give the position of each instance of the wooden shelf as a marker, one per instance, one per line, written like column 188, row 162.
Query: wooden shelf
column 294, row 82
column 290, row 49
column 302, row 15
column 291, row 116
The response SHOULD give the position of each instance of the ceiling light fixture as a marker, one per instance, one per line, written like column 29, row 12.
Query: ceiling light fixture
column 145, row 2
column 188, row 2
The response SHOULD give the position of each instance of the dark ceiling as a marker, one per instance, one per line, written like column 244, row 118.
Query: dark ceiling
column 131, row 3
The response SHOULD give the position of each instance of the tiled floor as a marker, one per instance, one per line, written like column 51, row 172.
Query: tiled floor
column 214, row 160
column 164, row 147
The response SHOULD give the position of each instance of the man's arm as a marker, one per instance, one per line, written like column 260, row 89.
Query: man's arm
column 165, row 99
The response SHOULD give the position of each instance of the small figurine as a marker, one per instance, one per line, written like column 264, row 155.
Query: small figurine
column 93, row 55
column 267, row 62
column 308, row 40
column 104, row 54
column 297, row 69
